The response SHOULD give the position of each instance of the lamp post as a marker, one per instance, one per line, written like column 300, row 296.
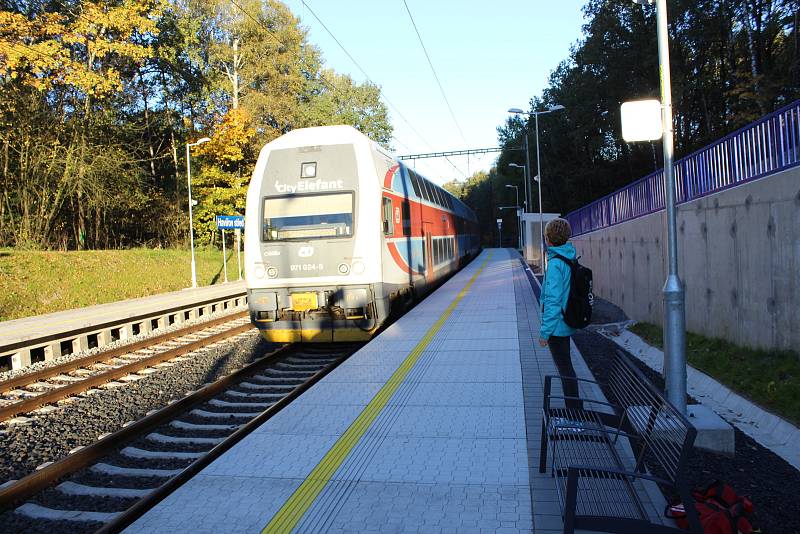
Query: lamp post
column 519, row 217
column 535, row 115
column 525, row 203
column 189, row 183
column 673, row 291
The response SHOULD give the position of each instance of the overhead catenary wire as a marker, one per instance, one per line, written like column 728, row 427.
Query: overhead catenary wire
column 388, row 102
column 435, row 76
column 321, row 77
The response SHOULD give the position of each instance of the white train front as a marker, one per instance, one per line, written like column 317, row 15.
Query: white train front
column 339, row 236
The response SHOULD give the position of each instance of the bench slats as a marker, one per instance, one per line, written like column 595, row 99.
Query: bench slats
column 599, row 451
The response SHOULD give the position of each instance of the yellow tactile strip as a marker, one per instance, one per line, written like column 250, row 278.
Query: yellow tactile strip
column 304, row 496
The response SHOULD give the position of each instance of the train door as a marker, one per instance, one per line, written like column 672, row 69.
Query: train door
column 428, row 248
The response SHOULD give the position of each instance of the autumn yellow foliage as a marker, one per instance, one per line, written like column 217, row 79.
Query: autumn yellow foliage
column 77, row 49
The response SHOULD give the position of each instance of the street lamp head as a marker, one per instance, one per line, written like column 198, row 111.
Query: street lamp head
column 515, row 110
column 644, row 2
column 199, row 142
column 515, row 165
column 510, row 186
column 555, row 107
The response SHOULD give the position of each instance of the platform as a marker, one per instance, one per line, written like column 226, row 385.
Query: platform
column 50, row 332
column 431, row 427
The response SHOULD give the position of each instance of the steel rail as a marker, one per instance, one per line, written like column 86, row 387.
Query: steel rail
column 77, row 363
column 143, row 505
column 47, row 476
column 32, row 403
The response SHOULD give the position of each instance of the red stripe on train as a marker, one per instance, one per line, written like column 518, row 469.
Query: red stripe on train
column 398, row 259
column 387, row 180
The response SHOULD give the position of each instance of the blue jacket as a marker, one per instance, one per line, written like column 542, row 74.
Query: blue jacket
column 555, row 292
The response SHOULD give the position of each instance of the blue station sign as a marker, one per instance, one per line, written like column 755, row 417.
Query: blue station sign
column 229, row 222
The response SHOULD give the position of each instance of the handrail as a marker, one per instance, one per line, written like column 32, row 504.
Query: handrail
column 769, row 145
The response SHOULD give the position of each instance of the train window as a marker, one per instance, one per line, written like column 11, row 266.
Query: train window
column 414, row 182
column 437, row 196
column 437, row 251
column 388, row 222
column 308, row 216
column 406, row 218
column 427, row 194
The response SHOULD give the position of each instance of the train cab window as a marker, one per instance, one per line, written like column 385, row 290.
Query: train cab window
column 440, row 192
column 308, row 217
column 388, row 222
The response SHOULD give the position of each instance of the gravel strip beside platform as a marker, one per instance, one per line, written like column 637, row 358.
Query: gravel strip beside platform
column 755, row 471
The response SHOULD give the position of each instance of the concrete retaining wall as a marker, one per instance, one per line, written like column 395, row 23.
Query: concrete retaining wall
column 739, row 253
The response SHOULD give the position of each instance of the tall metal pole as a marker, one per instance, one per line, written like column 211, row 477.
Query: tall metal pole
column 191, row 226
column 239, row 251
column 674, row 295
column 519, row 218
column 541, row 215
column 528, row 170
column 224, row 255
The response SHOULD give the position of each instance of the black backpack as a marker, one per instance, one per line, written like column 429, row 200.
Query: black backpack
column 578, row 312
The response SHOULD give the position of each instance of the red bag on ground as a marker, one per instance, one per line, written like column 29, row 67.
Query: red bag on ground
column 720, row 509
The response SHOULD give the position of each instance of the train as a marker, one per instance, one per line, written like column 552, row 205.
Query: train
column 340, row 235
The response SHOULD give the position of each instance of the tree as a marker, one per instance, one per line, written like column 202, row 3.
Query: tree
column 339, row 100
column 99, row 97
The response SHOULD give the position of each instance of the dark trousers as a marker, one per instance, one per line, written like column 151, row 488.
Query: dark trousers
column 559, row 349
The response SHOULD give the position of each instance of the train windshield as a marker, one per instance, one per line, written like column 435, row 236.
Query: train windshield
column 308, row 216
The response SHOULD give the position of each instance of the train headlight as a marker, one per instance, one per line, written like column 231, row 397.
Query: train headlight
column 344, row 268
column 272, row 272
column 308, row 169
column 358, row 267
column 259, row 271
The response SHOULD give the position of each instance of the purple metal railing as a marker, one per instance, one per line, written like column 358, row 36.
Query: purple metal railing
column 764, row 147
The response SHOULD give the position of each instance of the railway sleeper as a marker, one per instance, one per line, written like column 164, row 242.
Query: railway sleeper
column 73, row 488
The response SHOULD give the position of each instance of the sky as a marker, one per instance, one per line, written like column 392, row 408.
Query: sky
column 488, row 56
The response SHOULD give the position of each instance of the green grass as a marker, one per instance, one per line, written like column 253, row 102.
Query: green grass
column 769, row 378
column 37, row 282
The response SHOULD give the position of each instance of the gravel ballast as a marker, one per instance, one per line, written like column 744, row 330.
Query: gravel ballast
column 52, row 435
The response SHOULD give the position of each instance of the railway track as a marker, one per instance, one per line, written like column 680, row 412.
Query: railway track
column 32, row 391
column 110, row 483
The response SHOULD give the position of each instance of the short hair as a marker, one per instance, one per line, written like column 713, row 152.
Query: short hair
column 558, row 231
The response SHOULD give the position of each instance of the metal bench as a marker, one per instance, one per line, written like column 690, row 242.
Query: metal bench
column 599, row 450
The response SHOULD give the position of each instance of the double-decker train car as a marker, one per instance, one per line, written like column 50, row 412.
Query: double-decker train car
column 339, row 235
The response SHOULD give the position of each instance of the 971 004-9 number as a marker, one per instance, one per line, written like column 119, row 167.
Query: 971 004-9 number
column 306, row 267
